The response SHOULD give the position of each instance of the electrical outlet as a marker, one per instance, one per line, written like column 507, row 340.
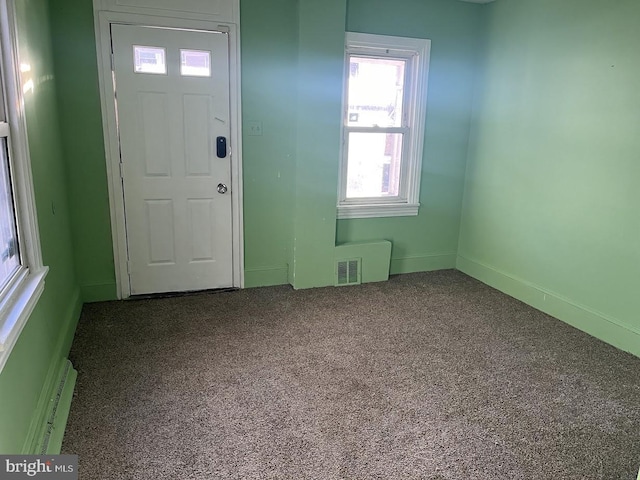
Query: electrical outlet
column 254, row 129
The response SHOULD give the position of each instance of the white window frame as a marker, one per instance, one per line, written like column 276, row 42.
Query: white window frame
column 20, row 296
column 416, row 52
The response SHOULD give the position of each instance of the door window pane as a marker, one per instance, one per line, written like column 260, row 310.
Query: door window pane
column 9, row 254
column 376, row 89
column 374, row 165
column 149, row 60
column 195, row 63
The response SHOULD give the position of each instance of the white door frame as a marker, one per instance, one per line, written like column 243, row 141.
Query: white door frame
column 103, row 21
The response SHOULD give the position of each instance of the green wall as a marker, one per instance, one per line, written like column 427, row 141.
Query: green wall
column 292, row 84
column 419, row 243
column 292, row 54
column 269, row 96
column 430, row 240
column 320, row 80
column 269, row 86
column 269, row 83
column 27, row 378
column 551, row 199
column 74, row 50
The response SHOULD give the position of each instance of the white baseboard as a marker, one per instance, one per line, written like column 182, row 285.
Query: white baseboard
column 57, row 375
column 597, row 324
column 422, row 263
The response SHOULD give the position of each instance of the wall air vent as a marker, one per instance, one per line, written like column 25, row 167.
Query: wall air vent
column 348, row 272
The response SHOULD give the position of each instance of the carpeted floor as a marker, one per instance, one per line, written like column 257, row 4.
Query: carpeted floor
column 428, row 376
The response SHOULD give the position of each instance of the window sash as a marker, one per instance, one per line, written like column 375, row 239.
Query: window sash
column 407, row 87
column 404, row 130
column 402, row 196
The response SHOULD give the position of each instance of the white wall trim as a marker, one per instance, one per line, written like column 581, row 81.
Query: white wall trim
column 381, row 210
column 16, row 309
column 416, row 51
column 107, row 12
column 34, row 440
column 613, row 331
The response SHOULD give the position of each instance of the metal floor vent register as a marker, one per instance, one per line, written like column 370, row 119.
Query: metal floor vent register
column 348, row 272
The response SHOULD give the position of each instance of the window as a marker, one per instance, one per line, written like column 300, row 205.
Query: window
column 21, row 270
column 383, row 125
column 195, row 63
column 149, row 60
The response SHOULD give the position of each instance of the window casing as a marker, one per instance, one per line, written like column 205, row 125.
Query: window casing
column 384, row 108
column 21, row 271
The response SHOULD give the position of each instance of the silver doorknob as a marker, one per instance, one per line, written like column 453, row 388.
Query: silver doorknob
column 222, row 188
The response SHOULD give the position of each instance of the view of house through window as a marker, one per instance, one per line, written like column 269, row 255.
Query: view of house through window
column 375, row 100
column 383, row 125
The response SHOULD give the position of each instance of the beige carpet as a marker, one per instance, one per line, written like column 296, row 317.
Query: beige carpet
column 427, row 376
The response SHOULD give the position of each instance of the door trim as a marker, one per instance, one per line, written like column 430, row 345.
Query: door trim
column 103, row 21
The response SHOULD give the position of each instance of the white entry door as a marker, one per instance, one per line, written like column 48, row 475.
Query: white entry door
column 172, row 100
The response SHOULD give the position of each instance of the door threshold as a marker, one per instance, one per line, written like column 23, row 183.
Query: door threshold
column 190, row 293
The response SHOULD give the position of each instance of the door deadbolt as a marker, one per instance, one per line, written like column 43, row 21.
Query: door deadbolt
column 222, row 188
column 221, row 147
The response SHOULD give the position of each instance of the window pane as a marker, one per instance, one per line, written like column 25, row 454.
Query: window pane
column 376, row 89
column 373, row 168
column 9, row 255
column 195, row 63
column 149, row 60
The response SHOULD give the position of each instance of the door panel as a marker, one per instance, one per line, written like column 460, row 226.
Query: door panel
column 179, row 228
column 154, row 113
column 201, row 216
column 161, row 246
column 198, row 143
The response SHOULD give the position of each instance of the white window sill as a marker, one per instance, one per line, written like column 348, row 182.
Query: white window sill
column 16, row 308
column 375, row 211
